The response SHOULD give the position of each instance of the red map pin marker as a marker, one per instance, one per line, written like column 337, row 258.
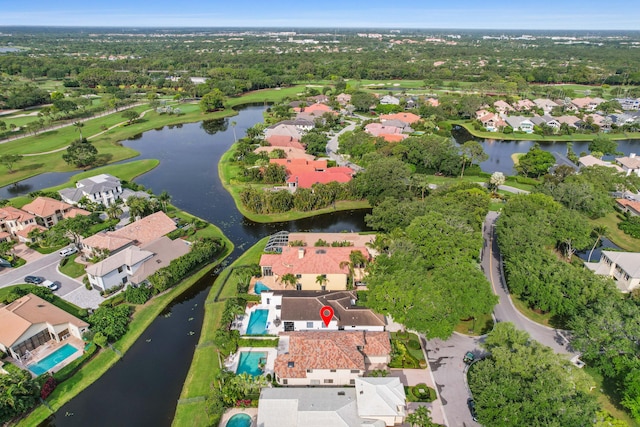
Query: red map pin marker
column 326, row 313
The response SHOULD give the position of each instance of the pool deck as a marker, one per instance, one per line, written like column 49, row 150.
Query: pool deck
column 252, row 412
column 46, row 349
column 231, row 362
column 241, row 323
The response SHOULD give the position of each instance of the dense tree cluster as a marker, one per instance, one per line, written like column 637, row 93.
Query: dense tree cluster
column 18, row 392
column 523, row 383
column 427, row 276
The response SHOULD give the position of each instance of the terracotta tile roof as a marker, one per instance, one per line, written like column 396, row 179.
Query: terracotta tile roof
column 307, row 179
column 25, row 231
column 502, row 105
column 106, row 241
column 377, row 129
column 321, row 108
column 147, row 229
column 315, row 260
column 4, row 235
column 74, row 212
column 403, row 117
column 46, row 206
column 9, row 213
column 329, row 350
column 433, row 102
column 300, row 165
column 393, row 137
column 17, row 317
column 292, row 153
column 284, row 141
column 631, row 204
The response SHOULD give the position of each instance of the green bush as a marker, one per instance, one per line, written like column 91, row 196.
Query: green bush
column 631, row 226
column 414, row 345
column 137, row 294
column 249, row 342
column 526, row 180
column 113, row 301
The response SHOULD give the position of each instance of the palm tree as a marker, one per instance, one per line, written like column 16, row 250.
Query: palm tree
column 164, row 199
column 421, row 417
column 79, row 126
column 288, row 279
column 321, row 280
column 599, row 231
column 233, row 126
column 114, row 211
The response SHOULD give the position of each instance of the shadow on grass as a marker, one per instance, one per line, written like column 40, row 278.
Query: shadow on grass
column 32, row 166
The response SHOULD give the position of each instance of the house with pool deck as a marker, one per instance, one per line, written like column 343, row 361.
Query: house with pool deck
column 300, row 311
column 30, row 323
column 300, row 254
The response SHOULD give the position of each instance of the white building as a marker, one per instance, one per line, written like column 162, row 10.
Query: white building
column 374, row 402
column 624, row 267
column 103, row 188
column 630, row 164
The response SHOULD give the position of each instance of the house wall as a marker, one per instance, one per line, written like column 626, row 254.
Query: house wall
column 302, row 325
column 109, row 280
column 318, row 376
column 335, row 282
column 33, row 330
column 375, row 360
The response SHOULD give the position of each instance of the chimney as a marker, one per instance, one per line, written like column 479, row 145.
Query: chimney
column 300, row 253
column 632, row 155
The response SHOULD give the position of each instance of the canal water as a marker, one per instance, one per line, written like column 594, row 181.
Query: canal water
column 143, row 388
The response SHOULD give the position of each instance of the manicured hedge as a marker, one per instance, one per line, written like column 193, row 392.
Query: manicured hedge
column 73, row 367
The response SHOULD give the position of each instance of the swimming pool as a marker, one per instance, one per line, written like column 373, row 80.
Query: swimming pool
column 258, row 323
column 260, row 287
column 58, row 356
column 239, row 420
column 250, row 362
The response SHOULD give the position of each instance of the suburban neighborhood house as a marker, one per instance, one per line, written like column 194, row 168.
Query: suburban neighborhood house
column 624, row 267
column 30, row 322
column 330, row 358
column 50, row 211
column 300, row 311
column 374, row 402
column 630, row 164
column 303, row 173
column 104, row 188
column 589, row 160
column 17, row 223
column 630, row 206
column 137, row 233
column 134, row 264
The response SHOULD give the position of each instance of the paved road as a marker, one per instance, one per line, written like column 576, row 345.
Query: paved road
column 505, row 311
column 71, row 289
column 332, row 148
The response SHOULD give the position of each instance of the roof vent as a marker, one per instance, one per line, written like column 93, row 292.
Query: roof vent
column 341, row 393
column 291, row 364
column 321, row 251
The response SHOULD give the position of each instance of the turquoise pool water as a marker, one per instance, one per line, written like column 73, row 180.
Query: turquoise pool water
column 258, row 323
column 58, row 356
column 239, row 420
column 250, row 361
column 259, row 287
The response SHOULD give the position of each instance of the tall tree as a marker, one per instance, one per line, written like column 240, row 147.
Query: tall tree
column 9, row 160
column 472, row 152
column 80, row 154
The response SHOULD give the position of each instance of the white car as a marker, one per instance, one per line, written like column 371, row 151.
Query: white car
column 54, row 286
column 68, row 251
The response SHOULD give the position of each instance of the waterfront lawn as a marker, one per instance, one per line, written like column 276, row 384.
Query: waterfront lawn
column 191, row 409
column 476, row 327
column 142, row 318
column 617, row 236
column 540, row 138
column 228, row 170
column 267, row 95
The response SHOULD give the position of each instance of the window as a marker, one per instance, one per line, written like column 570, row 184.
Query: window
column 298, row 287
column 355, row 371
column 298, row 276
column 309, row 325
column 332, row 370
column 309, row 371
column 328, row 381
column 120, row 269
column 285, row 382
column 125, row 279
column 352, row 382
column 266, row 271
column 323, row 287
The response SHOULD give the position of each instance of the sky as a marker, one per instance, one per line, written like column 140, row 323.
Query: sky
column 467, row 14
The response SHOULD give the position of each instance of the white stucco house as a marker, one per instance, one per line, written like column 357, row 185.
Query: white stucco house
column 103, row 188
column 624, row 267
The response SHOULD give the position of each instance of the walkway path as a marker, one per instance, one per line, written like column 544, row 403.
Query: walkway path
column 88, row 138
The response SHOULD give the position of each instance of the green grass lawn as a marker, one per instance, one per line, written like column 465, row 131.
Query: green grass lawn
column 205, row 366
column 542, row 318
column 267, row 95
column 227, row 170
column 616, row 235
column 72, row 268
column 534, row 137
column 608, row 397
column 480, row 326
column 142, row 318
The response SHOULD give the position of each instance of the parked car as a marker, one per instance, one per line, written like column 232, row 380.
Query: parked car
column 469, row 357
column 54, row 286
column 68, row 251
column 36, row 280
column 472, row 408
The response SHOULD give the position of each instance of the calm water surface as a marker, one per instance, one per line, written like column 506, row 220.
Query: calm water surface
column 143, row 388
